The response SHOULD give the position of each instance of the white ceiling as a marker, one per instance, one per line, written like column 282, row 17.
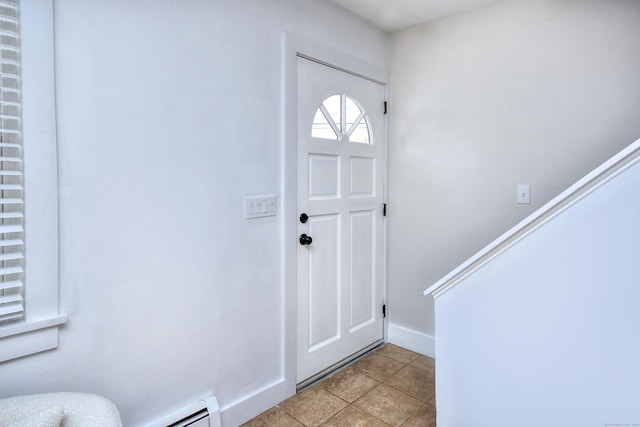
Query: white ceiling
column 393, row 15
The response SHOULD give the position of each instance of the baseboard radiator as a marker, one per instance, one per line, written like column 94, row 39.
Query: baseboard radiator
column 204, row 413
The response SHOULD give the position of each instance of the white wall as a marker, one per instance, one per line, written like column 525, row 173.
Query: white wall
column 547, row 332
column 534, row 92
column 168, row 115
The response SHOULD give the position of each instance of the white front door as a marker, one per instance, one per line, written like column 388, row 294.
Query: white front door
column 340, row 224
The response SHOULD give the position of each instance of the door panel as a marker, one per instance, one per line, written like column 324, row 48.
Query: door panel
column 363, row 177
column 362, row 281
column 340, row 162
column 323, row 265
column 324, row 177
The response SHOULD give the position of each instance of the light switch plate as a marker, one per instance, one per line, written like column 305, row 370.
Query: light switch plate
column 259, row 206
column 524, row 194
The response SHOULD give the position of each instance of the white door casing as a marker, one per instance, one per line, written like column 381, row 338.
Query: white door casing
column 340, row 185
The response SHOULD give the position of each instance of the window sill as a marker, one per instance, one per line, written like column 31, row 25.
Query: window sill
column 30, row 337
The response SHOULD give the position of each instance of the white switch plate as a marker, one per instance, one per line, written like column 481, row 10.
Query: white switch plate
column 259, row 206
column 524, row 194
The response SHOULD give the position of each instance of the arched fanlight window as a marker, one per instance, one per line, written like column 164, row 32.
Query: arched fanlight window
column 341, row 118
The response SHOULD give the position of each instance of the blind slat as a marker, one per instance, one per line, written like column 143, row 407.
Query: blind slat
column 7, row 215
column 11, row 256
column 10, row 187
column 11, row 242
column 11, row 311
column 5, row 229
column 11, row 201
column 10, row 299
column 11, row 284
column 10, row 270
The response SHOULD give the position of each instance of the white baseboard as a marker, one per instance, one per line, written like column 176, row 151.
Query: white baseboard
column 411, row 340
column 247, row 407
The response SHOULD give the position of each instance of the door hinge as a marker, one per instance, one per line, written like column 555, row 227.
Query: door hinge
column 385, row 107
column 384, row 310
column 384, row 209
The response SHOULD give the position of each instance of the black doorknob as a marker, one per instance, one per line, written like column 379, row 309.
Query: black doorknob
column 305, row 240
column 304, row 217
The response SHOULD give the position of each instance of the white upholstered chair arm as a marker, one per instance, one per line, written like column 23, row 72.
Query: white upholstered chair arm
column 59, row 409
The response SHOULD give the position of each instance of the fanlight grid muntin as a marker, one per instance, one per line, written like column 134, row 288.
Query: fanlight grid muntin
column 341, row 118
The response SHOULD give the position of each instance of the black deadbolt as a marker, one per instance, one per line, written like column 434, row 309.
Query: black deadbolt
column 304, row 217
column 305, row 240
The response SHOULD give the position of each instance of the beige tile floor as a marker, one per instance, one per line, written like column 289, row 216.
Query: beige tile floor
column 390, row 387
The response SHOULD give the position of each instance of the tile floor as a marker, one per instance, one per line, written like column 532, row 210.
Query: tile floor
column 390, row 387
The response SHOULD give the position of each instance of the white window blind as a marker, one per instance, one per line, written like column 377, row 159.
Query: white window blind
column 11, row 189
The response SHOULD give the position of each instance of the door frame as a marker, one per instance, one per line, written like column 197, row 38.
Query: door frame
column 293, row 47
